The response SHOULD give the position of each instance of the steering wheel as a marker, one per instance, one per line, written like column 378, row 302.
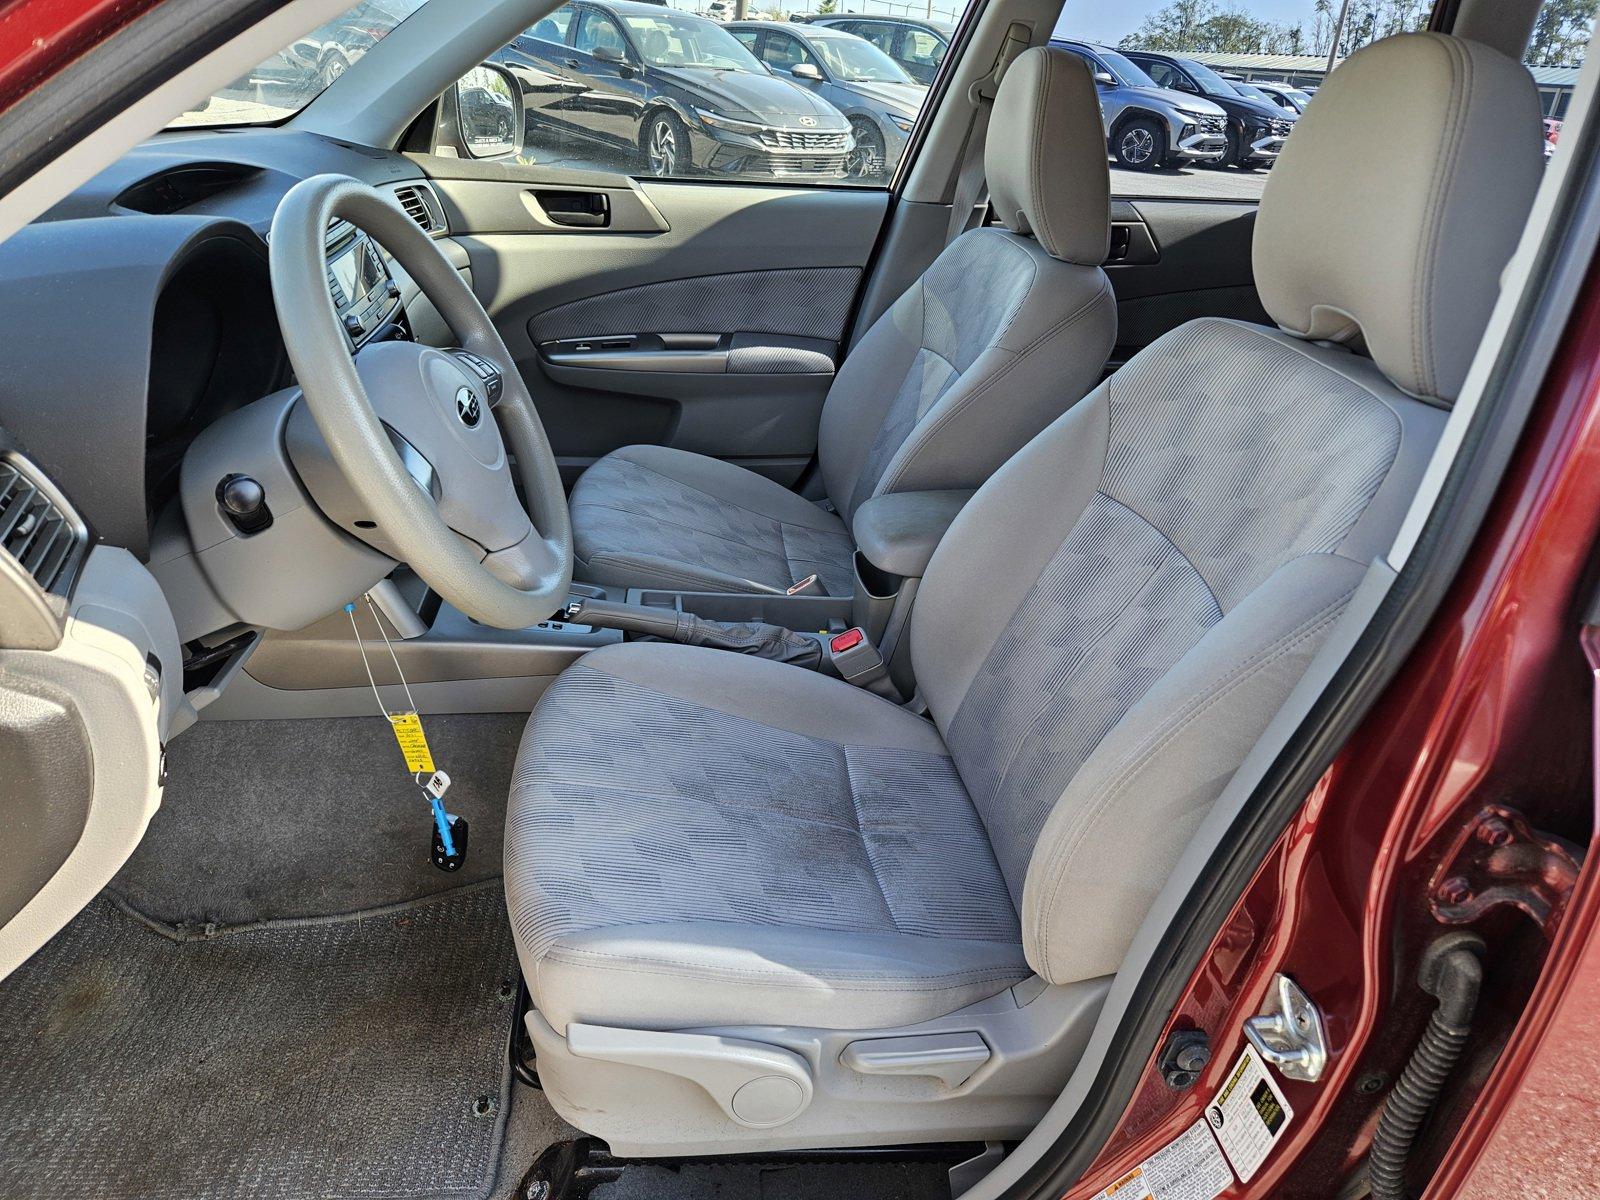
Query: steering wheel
column 450, row 509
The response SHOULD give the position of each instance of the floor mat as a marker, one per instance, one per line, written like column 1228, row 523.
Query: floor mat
column 264, row 820
column 361, row 1057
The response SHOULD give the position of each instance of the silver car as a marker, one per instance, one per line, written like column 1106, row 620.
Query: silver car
column 1148, row 126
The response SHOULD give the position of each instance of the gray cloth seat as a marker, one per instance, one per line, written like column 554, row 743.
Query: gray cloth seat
column 714, row 831
column 1005, row 330
column 655, row 516
column 697, row 841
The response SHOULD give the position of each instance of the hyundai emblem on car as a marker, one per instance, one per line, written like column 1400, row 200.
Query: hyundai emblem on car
column 467, row 407
column 808, row 120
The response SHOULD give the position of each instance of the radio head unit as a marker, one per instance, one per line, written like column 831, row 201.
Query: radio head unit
column 364, row 294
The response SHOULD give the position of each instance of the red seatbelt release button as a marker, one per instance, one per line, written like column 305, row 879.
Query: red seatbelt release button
column 848, row 640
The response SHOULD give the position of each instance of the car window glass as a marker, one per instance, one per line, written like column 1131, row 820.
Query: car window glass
column 920, row 46
column 679, row 40
column 855, row 60
column 1257, row 64
column 554, row 27
column 701, row 95
column 596, row 31
column 880, row 35
column 782, row 52
column 292, row 78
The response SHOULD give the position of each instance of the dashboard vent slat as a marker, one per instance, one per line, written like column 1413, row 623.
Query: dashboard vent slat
column 422, row 206
column 37, row 528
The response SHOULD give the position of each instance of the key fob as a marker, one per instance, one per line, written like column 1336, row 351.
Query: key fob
column 458, row 835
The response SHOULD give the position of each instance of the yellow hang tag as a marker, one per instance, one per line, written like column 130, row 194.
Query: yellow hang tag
column 413, row 742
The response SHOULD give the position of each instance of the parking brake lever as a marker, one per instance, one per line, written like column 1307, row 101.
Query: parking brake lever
column 668, row 625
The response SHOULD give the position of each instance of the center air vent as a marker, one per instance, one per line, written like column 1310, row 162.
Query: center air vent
column 423, row 207
column 37, row 528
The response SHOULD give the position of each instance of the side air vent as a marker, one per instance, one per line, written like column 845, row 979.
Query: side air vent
column 423, row 207
column 37, row 527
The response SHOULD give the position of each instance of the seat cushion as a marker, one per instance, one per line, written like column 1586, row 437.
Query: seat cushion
column 699, row 838
column 652, row 516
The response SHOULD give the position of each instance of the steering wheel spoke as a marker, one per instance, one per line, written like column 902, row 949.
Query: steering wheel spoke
column 466, row 533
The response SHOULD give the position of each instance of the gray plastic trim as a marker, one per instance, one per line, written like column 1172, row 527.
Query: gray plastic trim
column 120, row 664
column 1032, row 1035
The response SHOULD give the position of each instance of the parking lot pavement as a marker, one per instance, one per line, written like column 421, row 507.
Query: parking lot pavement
column 1191, row 183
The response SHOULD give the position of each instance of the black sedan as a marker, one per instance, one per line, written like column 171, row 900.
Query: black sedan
column 674, row 93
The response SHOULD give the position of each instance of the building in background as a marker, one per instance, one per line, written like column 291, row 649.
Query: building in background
column 1306, row 70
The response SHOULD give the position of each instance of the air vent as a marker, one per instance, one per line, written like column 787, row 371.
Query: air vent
column 423, row 207
column 37, row 527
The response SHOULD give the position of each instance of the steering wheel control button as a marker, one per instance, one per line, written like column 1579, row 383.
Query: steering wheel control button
column 244, row 503
column 484, row 370
column 468, row 408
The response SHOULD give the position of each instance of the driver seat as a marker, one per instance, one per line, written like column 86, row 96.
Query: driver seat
column 1004, row 330
column 760, row 909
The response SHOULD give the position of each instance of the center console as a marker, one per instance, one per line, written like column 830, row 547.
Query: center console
column 364, row 293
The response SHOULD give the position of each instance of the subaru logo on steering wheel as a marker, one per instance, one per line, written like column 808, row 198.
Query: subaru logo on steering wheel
column 467, row 407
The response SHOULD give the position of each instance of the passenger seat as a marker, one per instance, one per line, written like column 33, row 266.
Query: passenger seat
column 1006, row 330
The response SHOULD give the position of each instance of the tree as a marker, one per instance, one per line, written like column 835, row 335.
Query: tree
column 1173, row 27
column 1561, row 32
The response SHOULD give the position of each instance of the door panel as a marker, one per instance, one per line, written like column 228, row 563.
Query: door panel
column 706, row 317
column 1175, row 260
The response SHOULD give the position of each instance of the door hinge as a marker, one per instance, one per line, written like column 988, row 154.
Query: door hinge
column 1289, row 1032
column 1498, row 858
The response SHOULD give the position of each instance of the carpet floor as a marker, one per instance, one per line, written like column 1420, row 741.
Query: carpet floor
column 264, row 820
column 361, row 1057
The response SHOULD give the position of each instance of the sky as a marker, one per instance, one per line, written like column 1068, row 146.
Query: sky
column 1111, row 20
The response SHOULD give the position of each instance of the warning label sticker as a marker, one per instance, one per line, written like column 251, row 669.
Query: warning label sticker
column 1191, row 1168
column 1249, row 1115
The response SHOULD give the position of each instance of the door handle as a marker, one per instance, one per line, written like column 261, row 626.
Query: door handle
column 573, row 63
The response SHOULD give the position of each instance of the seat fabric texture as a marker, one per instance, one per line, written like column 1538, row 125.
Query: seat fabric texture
column 1005, row 330
column 655, row 516
column 698, row 839
column 706, row 832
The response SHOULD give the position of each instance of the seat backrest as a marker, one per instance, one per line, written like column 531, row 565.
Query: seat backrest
column 1115, row 617
column 1007, row 327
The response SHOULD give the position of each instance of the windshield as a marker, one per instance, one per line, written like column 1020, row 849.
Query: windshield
column 855, row 60
column 296, row 75
column 679, row 40
column 1210, row 82
column 1128, row 72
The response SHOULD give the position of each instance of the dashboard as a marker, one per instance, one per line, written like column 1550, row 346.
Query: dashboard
column 139, row 309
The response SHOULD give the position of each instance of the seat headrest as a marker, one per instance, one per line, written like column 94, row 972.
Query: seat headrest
column 1045, row 156
column 1397, row 202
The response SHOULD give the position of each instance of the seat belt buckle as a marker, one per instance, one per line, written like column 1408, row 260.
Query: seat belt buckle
column 856, row 660
column 811, row 585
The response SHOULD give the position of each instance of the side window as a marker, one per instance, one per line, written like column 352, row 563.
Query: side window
column 690, row 97
column 880, row 33
column 783, row 53
column 922, row 48
column 598, row 33
column 553, row 29
column 1210, row 92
